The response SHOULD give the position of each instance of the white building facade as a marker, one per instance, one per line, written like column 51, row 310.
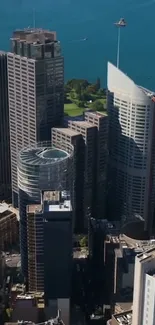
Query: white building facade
column 144, row 289
column 131, row 148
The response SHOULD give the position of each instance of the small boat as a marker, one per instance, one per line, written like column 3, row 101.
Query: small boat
column 121, row 23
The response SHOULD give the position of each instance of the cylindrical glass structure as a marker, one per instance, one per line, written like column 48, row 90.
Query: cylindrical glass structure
column 41, row 167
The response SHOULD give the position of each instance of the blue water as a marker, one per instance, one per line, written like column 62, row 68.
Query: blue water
column 76, row 19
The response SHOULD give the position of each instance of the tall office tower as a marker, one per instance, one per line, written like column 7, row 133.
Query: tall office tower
column 50, row 224
column 5, row 164
column 101, row 122
column 131, row 149
column 59, row 136
column 58, row 234
column 35, row 244
column 88, row 132
column 36, row 91
column 144, row 289
column 40, row 167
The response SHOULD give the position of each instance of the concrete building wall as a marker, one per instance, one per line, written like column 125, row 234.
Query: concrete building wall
column 22, row 110
column 5, row 163
column 141, row 298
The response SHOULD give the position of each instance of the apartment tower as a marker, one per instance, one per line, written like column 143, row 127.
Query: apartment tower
column 131, row 178
column 36, row 91
column 5, row 164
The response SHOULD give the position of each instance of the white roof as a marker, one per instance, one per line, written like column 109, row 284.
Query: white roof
column 120, row 82
column 3, row 207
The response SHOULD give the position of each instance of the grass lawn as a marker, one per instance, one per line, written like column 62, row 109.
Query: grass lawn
column 72, row 109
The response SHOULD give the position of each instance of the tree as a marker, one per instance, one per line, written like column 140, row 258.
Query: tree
column 97, row 106
column 91, row 89
column 83, row 242
column 72, row 84
column 78, row 90
column 81, row 103
column 98, row 84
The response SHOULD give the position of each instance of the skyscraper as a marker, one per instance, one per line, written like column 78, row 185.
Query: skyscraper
column 88, row 132
column 131, row 149
column 144, row 289
column 5, row 167
column 41, row 167
column 36, row 91
column 100, row 120
column 60, row 135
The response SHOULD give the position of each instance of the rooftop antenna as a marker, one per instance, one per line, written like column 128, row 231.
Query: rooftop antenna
column 34, row 18
column 119, row 24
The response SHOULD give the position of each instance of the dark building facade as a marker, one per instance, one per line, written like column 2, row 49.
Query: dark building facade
column 50, row 248
column 36, row 91
column 60, row 135
column 5, row 168
column 58, row 231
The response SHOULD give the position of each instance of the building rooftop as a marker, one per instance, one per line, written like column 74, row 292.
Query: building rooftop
column 41, row 155
column 83, row 124
column 18, row 287
column 124, row 318
column 147, row 254
column 57, row 200
column 7, row 210
column 138, row 246
column 96, row 114
column 34, row 35
column 34, row 208
column 3, row 207
column 30, row 295
column 2, row 53
column 67, row 131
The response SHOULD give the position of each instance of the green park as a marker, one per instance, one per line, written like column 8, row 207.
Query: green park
column 81, row 95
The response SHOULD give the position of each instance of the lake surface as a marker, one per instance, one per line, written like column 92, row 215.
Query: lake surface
column 94, row 19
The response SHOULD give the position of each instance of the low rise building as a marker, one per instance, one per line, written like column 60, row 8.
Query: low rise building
column 120, row 253
column 30, row 310
column 124, row 318
column 8, row 226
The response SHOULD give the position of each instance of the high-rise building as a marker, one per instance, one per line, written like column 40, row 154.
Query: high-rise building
column 131, row 149
column 5, row 164
column 47, row 223
column 89, row 138
column 36, row 91
column 144, row 289
column 88, row 132
column 59, row 136
column 35, row 244
column 58, row 233
column 100, row 120
column 41, row 167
